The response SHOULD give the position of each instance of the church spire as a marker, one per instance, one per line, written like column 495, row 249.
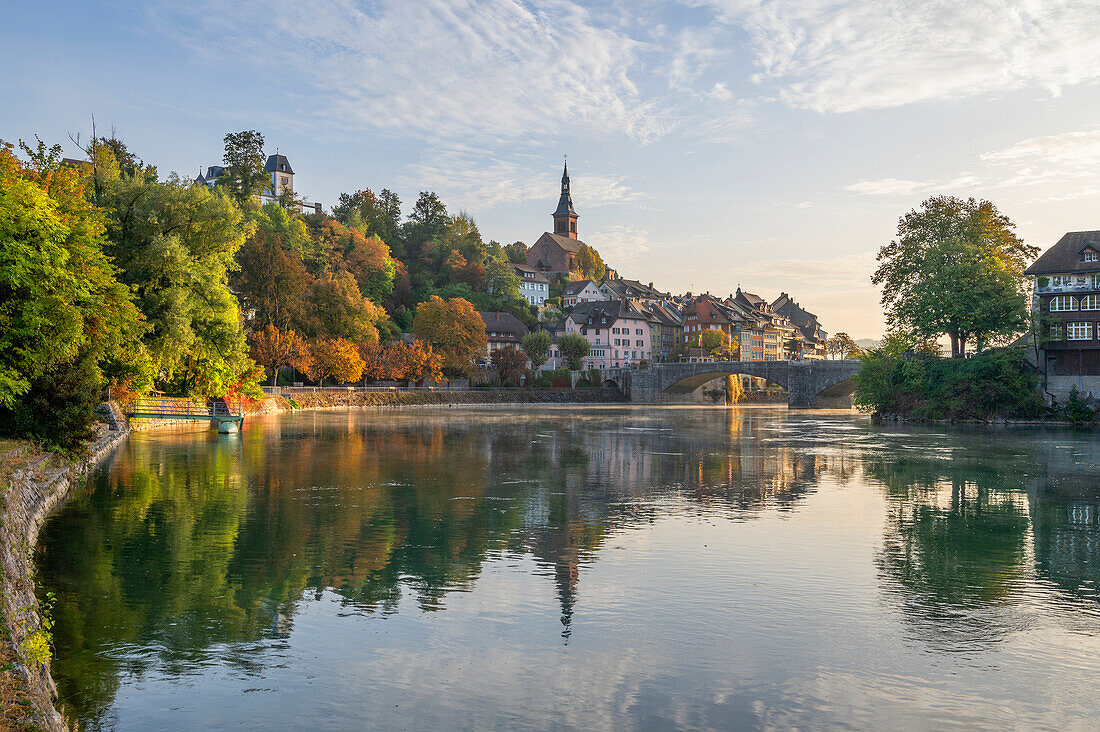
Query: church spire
column 565, row 218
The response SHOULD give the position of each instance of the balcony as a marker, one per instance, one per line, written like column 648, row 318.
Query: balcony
column 1091, row 282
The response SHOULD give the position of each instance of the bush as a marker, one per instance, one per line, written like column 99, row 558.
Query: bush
column 993, row 384
column 1076, row 410
column 560, row 378
column 542, row 381
column 59, row 409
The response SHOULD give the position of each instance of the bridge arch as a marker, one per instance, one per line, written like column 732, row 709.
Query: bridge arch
column 808, row 383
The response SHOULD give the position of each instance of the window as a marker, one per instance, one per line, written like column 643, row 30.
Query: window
column 1090, row 302
column 1063, row 303
column 1056, row 332
column 1079, row 331
column 1060, row 280
column 638, row 332
column 1089, row 255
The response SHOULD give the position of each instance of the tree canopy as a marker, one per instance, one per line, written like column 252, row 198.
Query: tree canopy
column 955, row 269
column 454, row 329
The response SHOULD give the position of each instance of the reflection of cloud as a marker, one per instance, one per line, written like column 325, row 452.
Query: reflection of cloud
column 845, row 55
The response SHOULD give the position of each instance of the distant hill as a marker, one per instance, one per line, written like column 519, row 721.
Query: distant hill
column 866, row 343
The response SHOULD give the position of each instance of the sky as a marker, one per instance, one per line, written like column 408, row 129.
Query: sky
column 767, row 144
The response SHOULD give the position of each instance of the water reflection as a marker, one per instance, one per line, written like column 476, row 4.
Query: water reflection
column 190, row 552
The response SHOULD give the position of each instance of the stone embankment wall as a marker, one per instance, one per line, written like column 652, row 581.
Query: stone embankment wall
column 31, row 494
column 326, row 399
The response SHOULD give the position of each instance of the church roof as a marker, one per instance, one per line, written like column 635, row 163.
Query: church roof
column 569, row 245
column 565, row 202
column 279, row 163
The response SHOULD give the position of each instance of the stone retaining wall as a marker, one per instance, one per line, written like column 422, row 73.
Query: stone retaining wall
column 30, row 496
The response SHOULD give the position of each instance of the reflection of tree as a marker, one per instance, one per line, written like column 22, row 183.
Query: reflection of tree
column 954, row 543
column 192, row 550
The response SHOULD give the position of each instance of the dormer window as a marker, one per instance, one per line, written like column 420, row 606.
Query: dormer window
column 1090, row 255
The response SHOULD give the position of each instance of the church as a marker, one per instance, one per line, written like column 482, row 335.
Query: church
column 559, row 252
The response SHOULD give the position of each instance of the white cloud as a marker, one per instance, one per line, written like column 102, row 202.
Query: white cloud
column 845, row 55
column 623, row 248
column 442, row 69
column 478, row 179
column 1070, row 150
column 1053, row 161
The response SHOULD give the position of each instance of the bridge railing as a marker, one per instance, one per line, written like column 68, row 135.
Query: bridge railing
column 170, row 407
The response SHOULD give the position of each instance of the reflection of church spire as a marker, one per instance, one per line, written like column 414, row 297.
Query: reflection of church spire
column 565, row 577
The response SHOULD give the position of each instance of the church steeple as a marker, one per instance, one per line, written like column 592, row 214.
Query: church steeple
column 565, row 218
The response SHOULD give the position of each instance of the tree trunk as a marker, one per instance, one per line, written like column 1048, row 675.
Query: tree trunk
column 274, row 375
column 962, row 347
column 954, row 344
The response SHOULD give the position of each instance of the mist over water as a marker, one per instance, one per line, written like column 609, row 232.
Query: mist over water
column 595, row 567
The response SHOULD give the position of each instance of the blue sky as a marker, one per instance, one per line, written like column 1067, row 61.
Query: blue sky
column 767, row 143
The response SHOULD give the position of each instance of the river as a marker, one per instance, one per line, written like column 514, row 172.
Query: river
column 581, row 567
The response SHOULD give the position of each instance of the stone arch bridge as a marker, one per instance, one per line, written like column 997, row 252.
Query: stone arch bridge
column 808, row 383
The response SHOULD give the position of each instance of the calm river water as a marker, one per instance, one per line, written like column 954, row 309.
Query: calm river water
column 595, row 567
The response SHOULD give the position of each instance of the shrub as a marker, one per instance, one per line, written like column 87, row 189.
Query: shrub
column 1076, row 410
column 560, row 378
column 997, row 383
column 542, row 381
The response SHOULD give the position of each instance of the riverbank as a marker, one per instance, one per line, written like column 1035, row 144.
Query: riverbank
column 33, row 484
column 331, row 399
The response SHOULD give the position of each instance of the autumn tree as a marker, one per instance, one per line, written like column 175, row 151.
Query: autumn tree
column 510, row 363
column 956, row 269
column 454, row 329
column 271, row 281
column 244, row 175
column 574, row 349
column 536, row 345
column 275, row 349
column 335, row 357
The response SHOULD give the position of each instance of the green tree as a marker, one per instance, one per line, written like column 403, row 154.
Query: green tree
column 175, row 244
column 590, row 263
column 841, row 345
column 516, row 252
column 536, row 345
column 956, row 269
column 63, row 313
column 373, row 215
column 574, row 349
column 244, row 160
column 713, row 341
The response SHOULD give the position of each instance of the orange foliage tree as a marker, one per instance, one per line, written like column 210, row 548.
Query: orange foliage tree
column 335, row 357
column 275, row 349
column 455, row 331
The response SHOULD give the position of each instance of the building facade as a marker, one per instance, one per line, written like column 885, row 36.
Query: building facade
column 580, row 291
column 533, row 285
column 1066, row 296
column 617, row 331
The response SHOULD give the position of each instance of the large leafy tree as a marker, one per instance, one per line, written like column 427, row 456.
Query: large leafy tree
column 956, row 269
column 574, row 349
column 175, row 244
column 335, row 357
column 590, row 263
column 373, row 215
column 63, row 313
column 454, row 329
column 536, row 345
column 244, row 159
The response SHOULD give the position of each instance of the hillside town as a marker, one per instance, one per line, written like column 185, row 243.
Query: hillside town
column 627, row 323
